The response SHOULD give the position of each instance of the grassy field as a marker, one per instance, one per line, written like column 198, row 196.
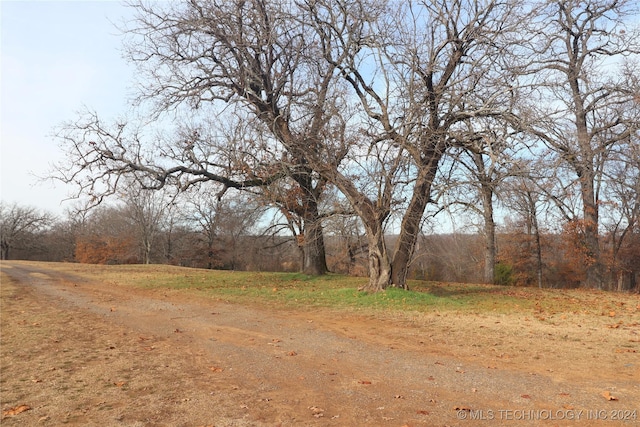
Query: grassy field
column 298, row 291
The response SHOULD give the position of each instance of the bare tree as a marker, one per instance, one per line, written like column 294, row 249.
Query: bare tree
column 201, row 211
column 224, row 225
column 19, row 226
column 432, row 60
column 175, row 238
column 246, row 57
column 252, row 55
column 484, row 155
column 238, row 219
column 146, row 210
column 621, row 211
column 582, row 109
column 525, row 196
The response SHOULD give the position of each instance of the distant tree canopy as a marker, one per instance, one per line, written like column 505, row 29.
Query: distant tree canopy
column 392, row 113
column 20, row 227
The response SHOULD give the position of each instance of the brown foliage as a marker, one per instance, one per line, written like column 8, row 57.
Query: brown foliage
column 517, row 251
column 106, row 250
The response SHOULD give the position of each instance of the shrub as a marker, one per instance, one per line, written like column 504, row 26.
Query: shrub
column 503, row 274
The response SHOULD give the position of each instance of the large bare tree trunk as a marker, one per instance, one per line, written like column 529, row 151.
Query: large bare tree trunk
column 379, row 263
column 489, row 245
column 586, row 175
column 314, row 257
column 410, row 227
column 533, row 218
column 594, row 273
column 489, row 234
column 373, row 216
column 146, row 251
column 314, row 260
column 538, row 256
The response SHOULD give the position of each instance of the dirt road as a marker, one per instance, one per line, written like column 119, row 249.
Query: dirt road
column 79, row 352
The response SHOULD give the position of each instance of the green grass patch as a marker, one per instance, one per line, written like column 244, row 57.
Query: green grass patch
column 300, row 291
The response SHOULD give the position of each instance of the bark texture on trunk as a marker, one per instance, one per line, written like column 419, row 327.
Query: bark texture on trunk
column 410, row 228
column 314, row 260
column 489, row 235
column 379, row 264
column 314, row 257
column 533, row 227
column 594, row 274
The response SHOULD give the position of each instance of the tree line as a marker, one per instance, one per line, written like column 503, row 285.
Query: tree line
column 240, row 233
column 390, row 114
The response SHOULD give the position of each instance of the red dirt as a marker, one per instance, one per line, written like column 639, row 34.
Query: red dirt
column 80, row 352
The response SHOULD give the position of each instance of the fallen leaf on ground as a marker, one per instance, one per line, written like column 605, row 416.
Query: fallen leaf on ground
column 317, row 412
column 422, row 412
column 15, row 410
column 216, row 369
column 525, row 396
column 119, row 383
column 607, row 395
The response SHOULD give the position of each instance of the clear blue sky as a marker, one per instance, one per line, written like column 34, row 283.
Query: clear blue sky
column 56, row 57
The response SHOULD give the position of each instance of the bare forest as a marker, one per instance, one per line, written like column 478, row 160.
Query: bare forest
column 491, row 141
